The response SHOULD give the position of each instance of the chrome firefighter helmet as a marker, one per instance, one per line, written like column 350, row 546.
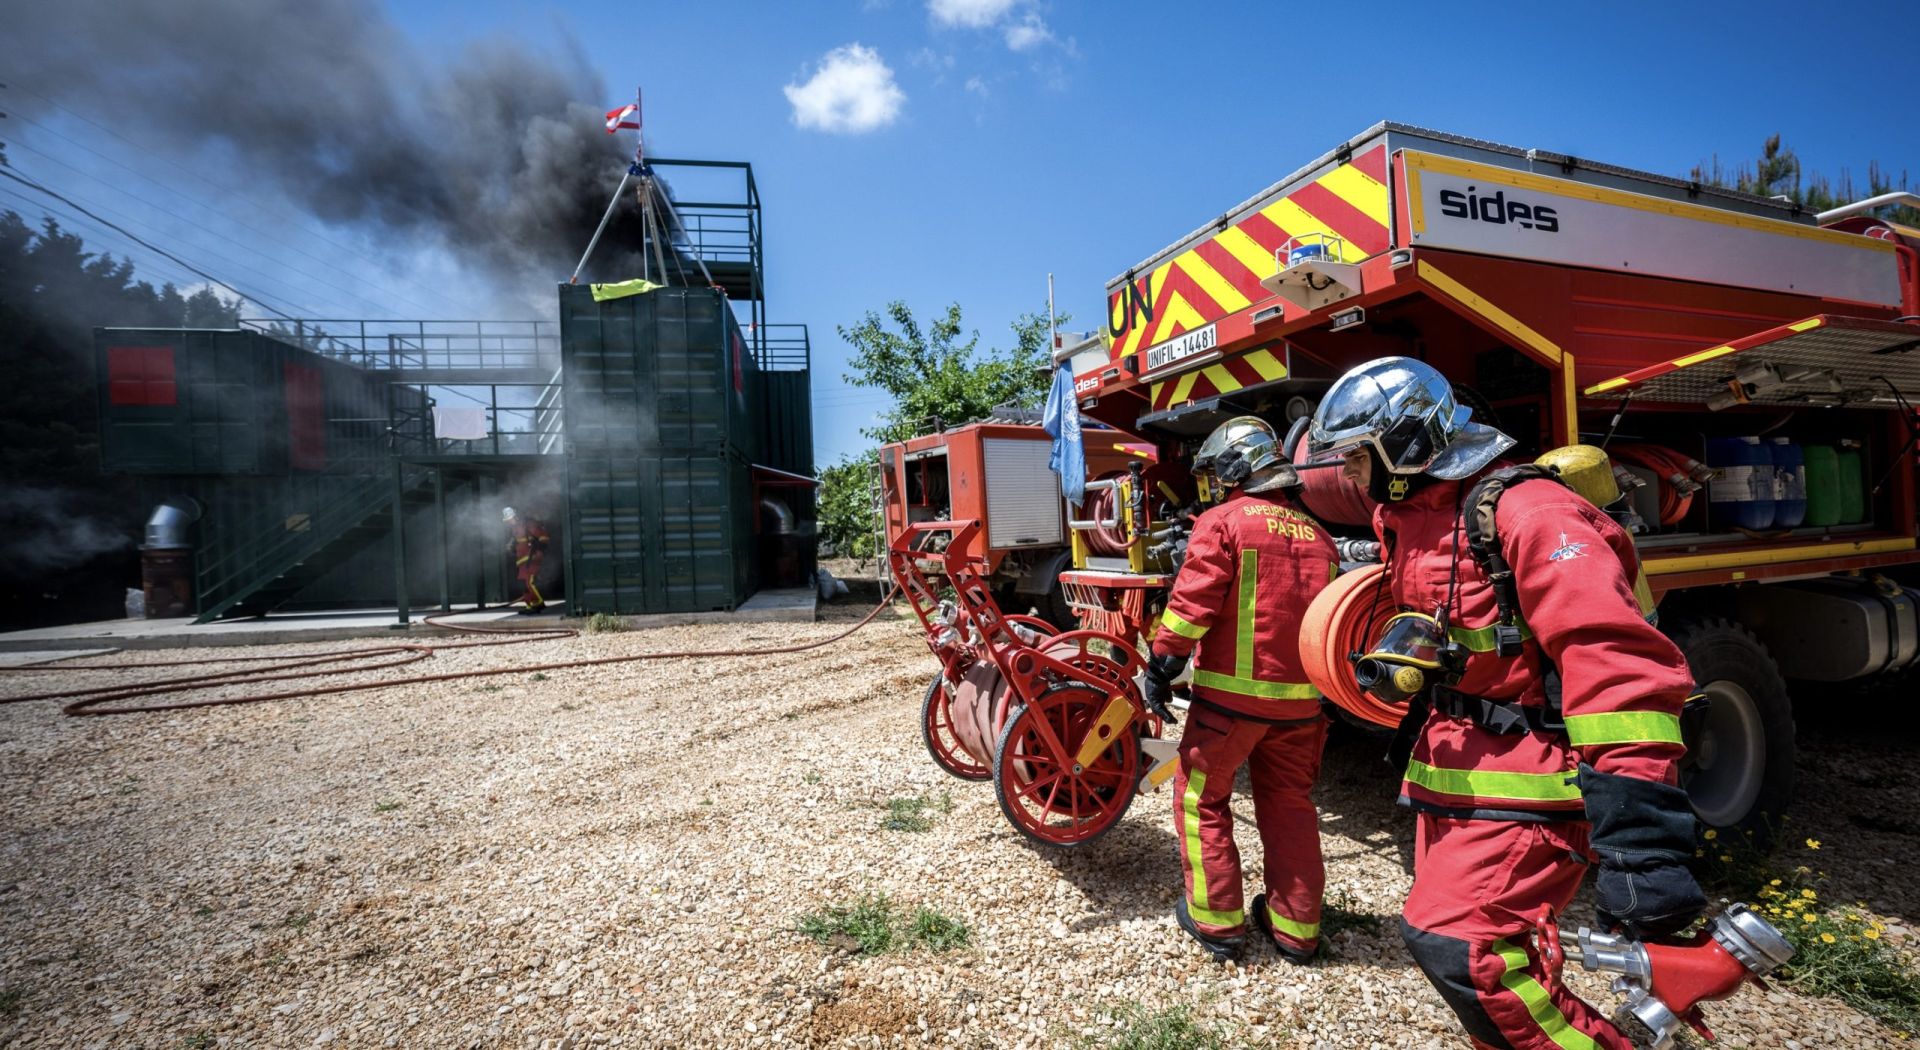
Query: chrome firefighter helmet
column 1244, row 453
column 506, row 513
column 1404, row 410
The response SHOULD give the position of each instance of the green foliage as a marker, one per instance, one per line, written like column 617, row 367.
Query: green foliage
column 1174, row 1028
column 874, row 925
column 865, row 926
column 1778, row 172
column 936, row 932
column 1839, row 949
column 603, row 623
column 910, row 814
column 846, row 512
column 937, row 378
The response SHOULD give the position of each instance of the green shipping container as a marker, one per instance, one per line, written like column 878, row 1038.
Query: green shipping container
column 234, row 402
column 659, row 534
column 786, row 421
column 666, row 370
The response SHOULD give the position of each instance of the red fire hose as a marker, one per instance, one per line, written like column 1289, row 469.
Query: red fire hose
column 1678, row 477
column 89, row 701
column 1346, row 618
column 1107, row 541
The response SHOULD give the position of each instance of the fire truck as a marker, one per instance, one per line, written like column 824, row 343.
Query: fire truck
column 1750, row 368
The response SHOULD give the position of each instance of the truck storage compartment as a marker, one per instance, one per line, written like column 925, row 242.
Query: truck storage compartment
column 1835, row 628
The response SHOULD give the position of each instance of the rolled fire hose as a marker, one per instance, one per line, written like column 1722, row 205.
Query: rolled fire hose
column 1345, row 618
column 1102, row 505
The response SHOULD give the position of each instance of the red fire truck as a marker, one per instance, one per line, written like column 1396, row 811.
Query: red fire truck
column 1752, row 365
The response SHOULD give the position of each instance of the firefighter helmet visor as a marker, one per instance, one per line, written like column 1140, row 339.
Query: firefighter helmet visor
column 1404, row 410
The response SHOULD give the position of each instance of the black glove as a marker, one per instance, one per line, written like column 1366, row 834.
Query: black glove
column 1157, row 686
column 1643, row 835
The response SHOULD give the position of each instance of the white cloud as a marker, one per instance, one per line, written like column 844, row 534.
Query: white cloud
column 1029, row 32
column 977, row 86
column 972, row 14
column 852, row 92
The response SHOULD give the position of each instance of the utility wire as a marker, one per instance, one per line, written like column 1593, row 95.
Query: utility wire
column 259, row 298
column 264, row 234
column 149, row 268
column 315, row 278
column 227, row 191
column 134, row 237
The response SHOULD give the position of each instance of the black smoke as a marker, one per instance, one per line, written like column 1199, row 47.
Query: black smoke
column 496, row 153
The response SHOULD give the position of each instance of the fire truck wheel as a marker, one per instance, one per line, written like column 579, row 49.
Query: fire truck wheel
column 1738, row 769
column 936, row 728
column 1049, row 801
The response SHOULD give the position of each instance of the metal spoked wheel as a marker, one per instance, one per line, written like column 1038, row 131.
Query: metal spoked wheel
column 936, row 728
column 1041, row 790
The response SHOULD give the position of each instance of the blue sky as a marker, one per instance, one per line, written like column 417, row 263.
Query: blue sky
column 959, row 150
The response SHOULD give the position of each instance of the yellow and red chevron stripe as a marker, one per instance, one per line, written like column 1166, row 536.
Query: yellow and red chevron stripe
column 1221, row 275
column 1263, row 364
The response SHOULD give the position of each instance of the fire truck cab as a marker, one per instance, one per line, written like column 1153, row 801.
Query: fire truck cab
column 1750, row 365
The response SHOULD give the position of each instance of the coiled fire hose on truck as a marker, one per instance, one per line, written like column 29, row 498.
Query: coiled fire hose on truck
column 1104, row 505
column 92, row 701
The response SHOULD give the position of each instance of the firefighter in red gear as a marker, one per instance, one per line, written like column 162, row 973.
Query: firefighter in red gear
column 528, row 542
column 1253, row 564
column 1518, row 785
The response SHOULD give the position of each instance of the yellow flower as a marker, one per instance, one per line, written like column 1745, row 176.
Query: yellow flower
column 1808, row 894
column 1775, row 882
column 1871, row 933
column 1813, row 843
column 1712, row 834
column 1726, row 858
column 1812, row 916
column 1826, row 938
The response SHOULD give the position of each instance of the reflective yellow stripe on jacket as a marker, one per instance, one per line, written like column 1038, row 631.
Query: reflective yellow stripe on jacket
column 1493, row 784
column 1623, row 727
column 1181, row 626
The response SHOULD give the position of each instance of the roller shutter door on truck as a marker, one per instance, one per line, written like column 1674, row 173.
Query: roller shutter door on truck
column 1023, row 496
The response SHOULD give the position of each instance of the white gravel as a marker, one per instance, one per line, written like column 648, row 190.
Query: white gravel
column 616, row 856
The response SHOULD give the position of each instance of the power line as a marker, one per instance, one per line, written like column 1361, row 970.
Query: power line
column 227, row 190
column 172, row 214
column 349, row 274
column 137, row 239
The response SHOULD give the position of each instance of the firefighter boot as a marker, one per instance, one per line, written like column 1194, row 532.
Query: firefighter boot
column 1220, row 949
column 1262, row 920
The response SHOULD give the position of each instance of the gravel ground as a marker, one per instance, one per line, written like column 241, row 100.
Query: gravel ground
column 616, row 856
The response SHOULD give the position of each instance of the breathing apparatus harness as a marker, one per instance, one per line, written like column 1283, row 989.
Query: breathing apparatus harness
column 1474, row 515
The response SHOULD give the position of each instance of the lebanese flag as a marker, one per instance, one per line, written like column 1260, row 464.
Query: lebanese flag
column 627, row 116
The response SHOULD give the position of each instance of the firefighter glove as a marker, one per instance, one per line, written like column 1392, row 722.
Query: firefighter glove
column 1156, row 685
column 1643, row 834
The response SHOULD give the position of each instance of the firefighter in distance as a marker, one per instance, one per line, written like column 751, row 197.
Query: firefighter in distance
column 527, row 541
column 1550, row 742
column 1253, row 564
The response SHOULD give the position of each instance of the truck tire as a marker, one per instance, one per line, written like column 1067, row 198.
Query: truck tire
column 1738, row 769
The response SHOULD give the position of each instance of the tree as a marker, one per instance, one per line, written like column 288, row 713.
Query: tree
column 845, row 508
column 933, row 376
column 1778, row 173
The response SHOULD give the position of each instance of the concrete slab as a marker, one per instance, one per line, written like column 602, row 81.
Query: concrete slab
column 266, row 630
column 34, row 656
column 788, row 605
column 783, row 605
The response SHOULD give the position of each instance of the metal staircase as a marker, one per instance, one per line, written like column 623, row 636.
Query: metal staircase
column 276, row 555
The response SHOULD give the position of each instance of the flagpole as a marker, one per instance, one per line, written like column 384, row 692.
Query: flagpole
column 602, row 228
column 632, row 170
column 1053, row 336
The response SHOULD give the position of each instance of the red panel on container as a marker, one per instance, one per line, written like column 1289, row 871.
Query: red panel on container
column 141, row 375
column 306, row 417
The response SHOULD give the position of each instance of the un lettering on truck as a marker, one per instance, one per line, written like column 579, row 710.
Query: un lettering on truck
column 1023, row 496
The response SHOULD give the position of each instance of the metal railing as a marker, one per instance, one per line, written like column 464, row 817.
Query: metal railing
column 522, row 419
column 783, row 348
column 421, row 345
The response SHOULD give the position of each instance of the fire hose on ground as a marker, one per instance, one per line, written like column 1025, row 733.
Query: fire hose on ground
column 92, row 701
